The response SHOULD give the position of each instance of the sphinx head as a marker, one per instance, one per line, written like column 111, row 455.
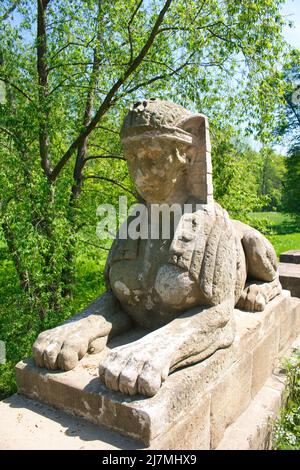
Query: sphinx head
column 166, row 148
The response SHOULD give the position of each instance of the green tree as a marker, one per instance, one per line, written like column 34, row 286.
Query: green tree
column 70, row 69
column 292, row 179
column 289, row 124
column 272, row 178
column 237, row 172
column 289, row 130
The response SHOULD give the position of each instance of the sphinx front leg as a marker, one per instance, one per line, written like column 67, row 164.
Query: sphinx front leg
column 142, row 366
column 62, row 347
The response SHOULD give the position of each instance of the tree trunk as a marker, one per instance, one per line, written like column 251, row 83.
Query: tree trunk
column 68, row 271
column 13, row 250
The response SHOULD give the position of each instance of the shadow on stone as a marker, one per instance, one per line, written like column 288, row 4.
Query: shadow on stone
column 70, row 425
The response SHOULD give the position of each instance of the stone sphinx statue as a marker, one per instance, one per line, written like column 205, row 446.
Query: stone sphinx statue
column 182, row 290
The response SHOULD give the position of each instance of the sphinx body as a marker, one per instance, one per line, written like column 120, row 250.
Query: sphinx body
column 208, row 260
column 182, row 289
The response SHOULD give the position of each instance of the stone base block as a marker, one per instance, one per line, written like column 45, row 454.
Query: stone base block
column 195, row 405
column 291, row 256
column 289, row 275
column 253, row 429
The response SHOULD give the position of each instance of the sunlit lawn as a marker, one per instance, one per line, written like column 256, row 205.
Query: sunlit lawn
column 283, row 230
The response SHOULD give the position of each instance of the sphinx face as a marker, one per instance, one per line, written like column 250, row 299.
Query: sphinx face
column 158, row 168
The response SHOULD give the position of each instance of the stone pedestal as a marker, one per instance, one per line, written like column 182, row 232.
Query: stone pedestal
column 197, row 405
column 29, row 424
column 291, row 256
column 290, row 277
column 289, row 271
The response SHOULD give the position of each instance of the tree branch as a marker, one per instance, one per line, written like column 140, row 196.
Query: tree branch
column 9, row 11
column 15, row 254
column 109, row 180
column 197, row 28
column 94, row 157
column 224, row 39
column 71, row 43
column 292, row 107
column 159, row 77
column 43, row 87
column 99, row 247
column 22, row 146
column 106, row 150
column 8, row 82
column 8, row 132
column 129, row 28
column 63, row 81
column 67, row 64
column 106, row 103
column 107, row 129
column 82, row 148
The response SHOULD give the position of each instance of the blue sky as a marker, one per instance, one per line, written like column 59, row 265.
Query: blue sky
column 291, row 10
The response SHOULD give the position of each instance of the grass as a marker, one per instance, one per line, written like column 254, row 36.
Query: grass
column 283, row 230
column 285, row 242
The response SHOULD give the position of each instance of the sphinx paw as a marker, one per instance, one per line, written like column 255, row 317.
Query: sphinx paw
column 252, row 299
column 134, row 370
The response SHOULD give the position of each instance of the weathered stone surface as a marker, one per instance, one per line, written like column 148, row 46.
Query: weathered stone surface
column 264, row 359
column 295, row 302
column 30, row 425
column 191, row 432
column 178, row 413
column 290, row 277
column 79, row 391
column 291, row 256
column 252, row 327
column 253, row 429
column 290, row 325
column 27, row 424
column 230, row 396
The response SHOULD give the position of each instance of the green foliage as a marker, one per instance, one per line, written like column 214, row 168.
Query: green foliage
column 280, row 223
column 288, row 124
column 282, row 229
column 292, row 179
column 271, row 179
column 244, row 179
column 19, row 325
column 287, row 429
column 289, row 128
